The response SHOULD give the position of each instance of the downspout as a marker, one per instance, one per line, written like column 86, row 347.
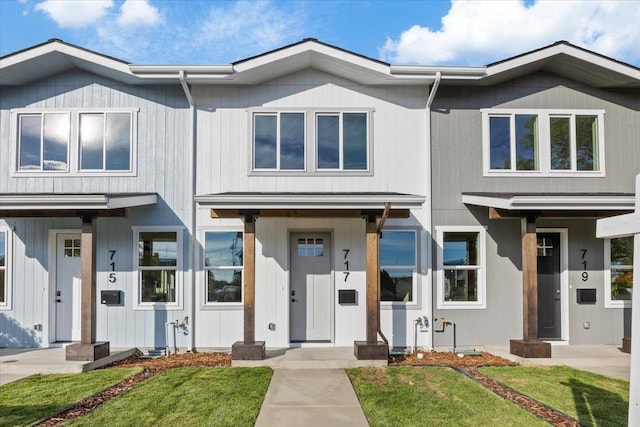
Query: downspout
column 383, row 219
column 192, row 168
column 428, row 208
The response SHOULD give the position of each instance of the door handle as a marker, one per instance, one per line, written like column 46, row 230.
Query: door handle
column 293, row 293
column 294, row 300
column 58, row 300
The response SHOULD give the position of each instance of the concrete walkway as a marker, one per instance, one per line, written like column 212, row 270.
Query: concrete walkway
column 311, row 397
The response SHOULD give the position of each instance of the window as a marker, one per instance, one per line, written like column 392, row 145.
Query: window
column 311, row 142
column 398, row 271
column 543, row 142
column 223, row 266
column 278, row 141
column 618, row 272
column 461, row 271
column 43, row 142
column 72, row 141
column 342, row 141
column 310, row 247
column 5, row 272
column 158, row 263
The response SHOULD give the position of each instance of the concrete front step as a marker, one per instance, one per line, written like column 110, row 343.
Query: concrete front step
column 311, row 358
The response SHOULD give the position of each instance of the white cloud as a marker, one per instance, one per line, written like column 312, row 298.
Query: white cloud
column 250, row 27
column 75, row 13
column 474, row 31
column 138, row 12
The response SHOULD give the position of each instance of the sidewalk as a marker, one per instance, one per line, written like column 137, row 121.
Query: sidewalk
column 311, row 397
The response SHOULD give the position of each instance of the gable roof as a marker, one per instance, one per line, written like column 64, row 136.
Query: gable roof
column 561, row 58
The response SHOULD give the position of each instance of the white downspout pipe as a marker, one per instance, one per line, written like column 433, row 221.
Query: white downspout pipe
column 428, row 205
column 192, row 228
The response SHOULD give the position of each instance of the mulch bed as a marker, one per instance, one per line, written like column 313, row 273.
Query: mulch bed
column 150, row 368
column 469, row 365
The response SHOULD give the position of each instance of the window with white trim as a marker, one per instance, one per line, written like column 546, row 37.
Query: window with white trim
column 618, row 275
column 5, row 268
column 311, row 141
column 461, row 267
column 158, row 263
column 223, row 266
column 543, row 142
column 75, row 141
column 398, row 266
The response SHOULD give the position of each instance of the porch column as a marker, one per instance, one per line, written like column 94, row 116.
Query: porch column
column 371, row 349
column 529, row 346
column 88, row 349
column 249, row 349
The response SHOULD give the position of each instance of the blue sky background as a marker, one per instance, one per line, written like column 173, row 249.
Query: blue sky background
column 401, row 32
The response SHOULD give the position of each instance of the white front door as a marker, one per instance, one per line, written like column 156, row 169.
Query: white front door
column 67, row 289
column 311, row 290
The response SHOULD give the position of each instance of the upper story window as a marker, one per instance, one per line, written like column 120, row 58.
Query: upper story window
column 311, row 141
column 461, row 267
column 74, row 141
column 618, row 278
column 543, row 142
column 398, row 266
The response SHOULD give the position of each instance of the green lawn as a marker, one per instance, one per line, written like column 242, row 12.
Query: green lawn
column 422, row 396
column 34, row 398
column 592, row 399
column 188, row 396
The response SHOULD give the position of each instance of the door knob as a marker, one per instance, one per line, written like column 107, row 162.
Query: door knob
column 293, row 293
column 294, row 300
column 58, row 300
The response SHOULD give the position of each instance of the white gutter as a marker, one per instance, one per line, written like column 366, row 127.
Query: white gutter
column 558, row 202
column 428, row 208
column 185, row 87
column 192, row 232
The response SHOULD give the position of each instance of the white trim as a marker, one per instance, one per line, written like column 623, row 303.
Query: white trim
column 543, row 143
column 416, row 288
column 309, row 201
column 559, row 202
column 482, row 270
column 608, row 302
column 7, row 269
column 202, row 271
column 252, row 149
column 177, row 304
column 564, row 278
column 75, row 201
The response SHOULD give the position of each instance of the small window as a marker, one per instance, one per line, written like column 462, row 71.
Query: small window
column 618, row 272
column 278, row 141
column 310, row 247
column 43, row 142
column 71, row 248
column 223, row 266
column 543, row 142
column 461, row 271
column 105, row 141
column 398, row 266
column 5, row 268
column 158, row 263
column 342, row 141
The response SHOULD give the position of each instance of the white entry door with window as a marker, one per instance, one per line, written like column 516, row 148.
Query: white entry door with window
column 311, row 290
column 67, row 287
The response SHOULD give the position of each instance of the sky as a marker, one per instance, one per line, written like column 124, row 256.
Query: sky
column 435, row 32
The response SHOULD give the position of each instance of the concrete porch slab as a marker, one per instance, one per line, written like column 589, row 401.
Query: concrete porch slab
column 310, row 358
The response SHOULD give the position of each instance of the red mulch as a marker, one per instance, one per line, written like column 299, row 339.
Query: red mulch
column 469, row 365
column 150, row 368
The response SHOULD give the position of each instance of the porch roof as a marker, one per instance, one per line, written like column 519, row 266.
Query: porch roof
column 552, row 201
column 310, row 201
column 15, row 204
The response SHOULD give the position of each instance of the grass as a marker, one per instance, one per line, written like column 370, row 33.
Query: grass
column 592, row 399
column 34, row 398
column 188, row 396
column 419, row 396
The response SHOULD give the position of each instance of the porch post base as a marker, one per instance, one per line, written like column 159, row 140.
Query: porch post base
column 242, row 351
column 530, row 349
column 626, row 345
column 370, row 351
column 87, row 352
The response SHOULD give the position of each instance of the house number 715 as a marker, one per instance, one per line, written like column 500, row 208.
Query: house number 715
column 112, row 265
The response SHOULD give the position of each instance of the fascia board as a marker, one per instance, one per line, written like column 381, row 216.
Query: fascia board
column 446, row 72
column 115, row 202
column 618, row 226
column 559, row 203
column 74, row 201
column 309, row 201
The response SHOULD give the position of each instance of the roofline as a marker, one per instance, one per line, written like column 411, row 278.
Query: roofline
column 557, row 202
column 60, row 41
column 100, row 201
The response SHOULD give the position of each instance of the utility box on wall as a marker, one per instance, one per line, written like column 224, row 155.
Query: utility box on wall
column 586, row 296
column 110, row 297
column 347, row 296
